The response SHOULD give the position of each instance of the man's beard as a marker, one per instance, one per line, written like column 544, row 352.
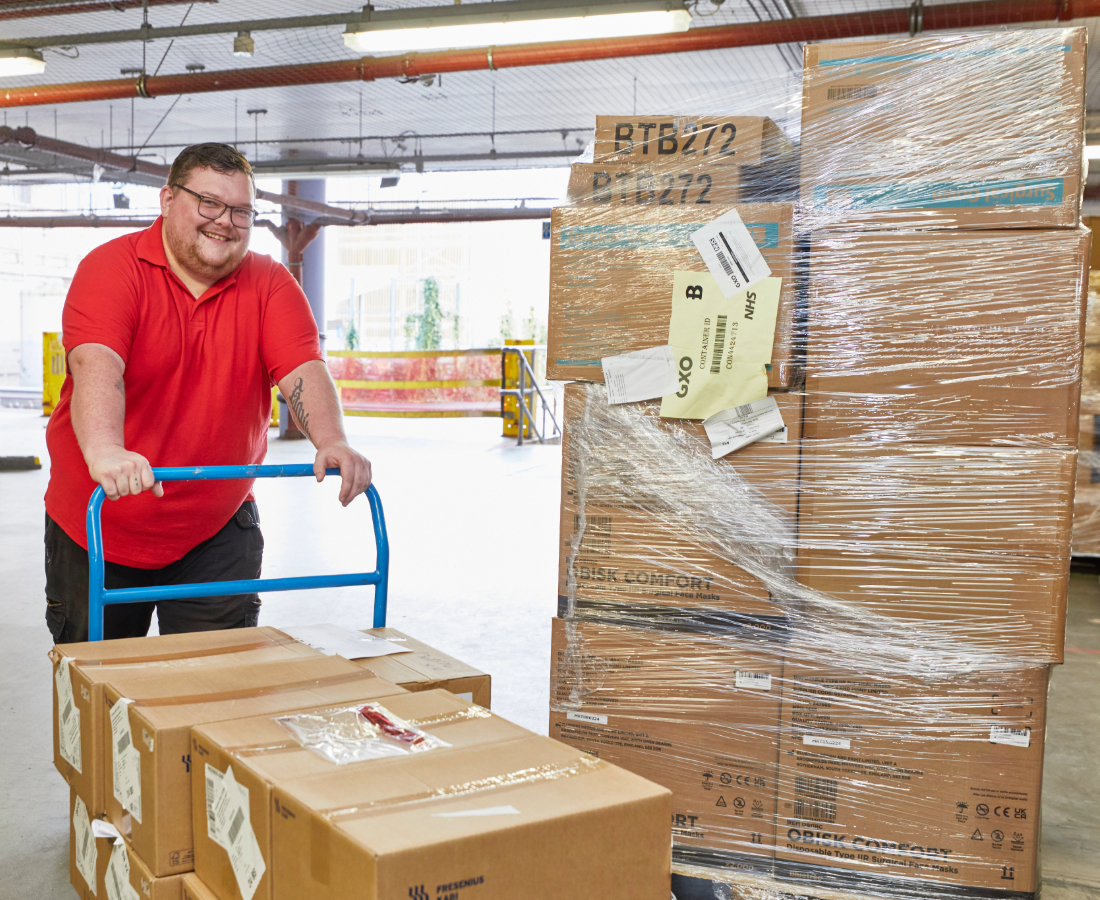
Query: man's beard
column 188, row 255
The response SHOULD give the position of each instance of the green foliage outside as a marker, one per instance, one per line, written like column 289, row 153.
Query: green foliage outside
column 351, row 340
column 425, row 330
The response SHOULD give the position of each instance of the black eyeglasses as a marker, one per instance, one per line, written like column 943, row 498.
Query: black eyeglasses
column 209, row 208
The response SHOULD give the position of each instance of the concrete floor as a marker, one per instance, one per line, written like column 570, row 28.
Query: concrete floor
column 473, row 527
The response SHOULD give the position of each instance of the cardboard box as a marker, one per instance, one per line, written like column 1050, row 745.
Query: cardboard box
column 492, row 822
column 165, row 706
column 698, row 715
column 611, row 281
column 1086, row 521
column 94, row 664
column 945, row 338
column 424, row 668
column 1014, row 605
column 144, row 883
column 921, row 498
column 195, row 889
column 943, row 132
column 898, row 785
column 1090, row 381
column 722, row 140
column 634, row 184
column 642, row 559
column 263, row 753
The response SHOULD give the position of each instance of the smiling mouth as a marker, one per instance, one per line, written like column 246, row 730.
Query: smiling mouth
column 215, row 237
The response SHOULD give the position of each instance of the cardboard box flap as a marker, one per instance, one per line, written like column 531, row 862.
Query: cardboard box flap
column 424, row 660
column 166, row 647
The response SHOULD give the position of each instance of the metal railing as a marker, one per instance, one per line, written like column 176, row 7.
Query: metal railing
column 527, row 389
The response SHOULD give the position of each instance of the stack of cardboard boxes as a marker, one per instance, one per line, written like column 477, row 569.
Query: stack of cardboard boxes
column 242, row 764
column 1086, row 499
column 835, row 650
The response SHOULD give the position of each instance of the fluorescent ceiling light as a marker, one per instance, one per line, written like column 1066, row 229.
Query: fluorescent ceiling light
column 511, row 22
column 21, row 61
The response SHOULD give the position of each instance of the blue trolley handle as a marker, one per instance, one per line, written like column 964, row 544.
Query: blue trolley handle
column 99, row 596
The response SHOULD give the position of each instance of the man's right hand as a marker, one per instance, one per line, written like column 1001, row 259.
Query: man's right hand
column 122, row 473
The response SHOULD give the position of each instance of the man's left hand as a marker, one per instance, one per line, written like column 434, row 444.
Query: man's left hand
column 355, row 472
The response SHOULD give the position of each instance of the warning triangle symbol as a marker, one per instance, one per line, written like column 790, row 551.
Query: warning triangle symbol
column 721, row 801
column 977, row 835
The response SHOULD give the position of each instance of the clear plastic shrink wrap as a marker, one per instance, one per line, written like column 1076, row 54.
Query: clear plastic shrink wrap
column 833, row 645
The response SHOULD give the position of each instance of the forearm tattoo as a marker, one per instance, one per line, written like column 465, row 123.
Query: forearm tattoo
column 299, row 408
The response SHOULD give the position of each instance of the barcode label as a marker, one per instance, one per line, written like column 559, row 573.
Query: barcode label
column 115, row 882
column 815, row 810
column 815, row 788
column 724, row 263
column 755, row 681
column 733, row 256
column 238, row 821
column 719, row 345
column 1014, row 737
column 811, row 740
column 84, row 845
column 597, row 534
column 124, row 742
column 815, row 798
column 853, row 92
column 67, row 712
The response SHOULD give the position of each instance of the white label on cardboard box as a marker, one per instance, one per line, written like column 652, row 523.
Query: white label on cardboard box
column 586, row 717
column 812, row 740
column 234, row 825
column 126, row 766
column 753, row 681
column 213, row 782
column 334, row 640
column 730, row 253
column 722, row 344
column 84, row 844
column 1014, row 737
column 641, row 375
column 776, row 437
column 484, row 811
column 68, row 716
column 732, row 429
column 118, row 875
column 103, row 829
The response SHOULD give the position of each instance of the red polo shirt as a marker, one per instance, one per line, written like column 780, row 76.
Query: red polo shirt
column 198, row 388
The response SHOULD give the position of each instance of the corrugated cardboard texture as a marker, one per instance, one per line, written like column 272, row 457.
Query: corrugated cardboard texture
column 98, row 662
column 165, row 707
column 666, row 707
column 195, row 889
column 919, row 794
column 947, row 338
column 944, row 131
column 523, row 816
column 425, row 668
column 263, row 753
column 644, row 184
column 611, row 280
column 631, row 556
column 142, row 878
column 693, row 140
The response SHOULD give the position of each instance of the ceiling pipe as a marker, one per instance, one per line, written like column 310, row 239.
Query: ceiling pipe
column 32, row 9
column 781, row 31
column 28, row 137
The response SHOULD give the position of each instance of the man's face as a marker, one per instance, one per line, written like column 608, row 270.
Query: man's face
column 207, row 249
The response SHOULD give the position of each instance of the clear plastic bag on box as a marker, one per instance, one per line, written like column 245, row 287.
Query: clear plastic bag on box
column 358, row 733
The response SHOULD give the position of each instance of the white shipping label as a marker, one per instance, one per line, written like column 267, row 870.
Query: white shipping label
column 235, row 827
column 126, row 767
column 730, row 253
column 754, row 681
column 586, row 717
column 835, row 743
column 334, row 640
column 84, row 844
column 641, row 375
column 213, row 782
column 118, row 875
column 732, row 429
column 102, row 829
column 776, row 437
column 68, row 716
column 1014, row 737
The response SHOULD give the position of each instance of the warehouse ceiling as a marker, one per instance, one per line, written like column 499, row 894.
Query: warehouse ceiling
column 515, row 117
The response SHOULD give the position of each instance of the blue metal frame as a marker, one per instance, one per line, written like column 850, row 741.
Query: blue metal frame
column 99, row 596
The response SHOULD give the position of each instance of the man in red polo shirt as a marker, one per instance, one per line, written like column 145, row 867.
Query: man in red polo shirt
column 175, row 336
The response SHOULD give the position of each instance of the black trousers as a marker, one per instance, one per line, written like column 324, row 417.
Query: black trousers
column 235, row 552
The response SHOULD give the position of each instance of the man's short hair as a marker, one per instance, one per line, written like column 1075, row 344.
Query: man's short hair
column 220, row 157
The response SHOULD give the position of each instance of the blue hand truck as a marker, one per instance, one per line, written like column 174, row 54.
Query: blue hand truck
column 99, row 596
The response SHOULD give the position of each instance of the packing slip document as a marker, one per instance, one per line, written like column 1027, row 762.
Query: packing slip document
column 721, row 344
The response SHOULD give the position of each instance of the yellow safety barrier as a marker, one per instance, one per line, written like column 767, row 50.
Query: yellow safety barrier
column 53, row 370
column 511, row 380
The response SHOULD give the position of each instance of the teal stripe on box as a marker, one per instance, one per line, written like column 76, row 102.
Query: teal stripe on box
column 943, row 55
column 942, row 195
column 638, row 236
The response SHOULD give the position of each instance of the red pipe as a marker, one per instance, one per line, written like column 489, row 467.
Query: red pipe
column 782, row 31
